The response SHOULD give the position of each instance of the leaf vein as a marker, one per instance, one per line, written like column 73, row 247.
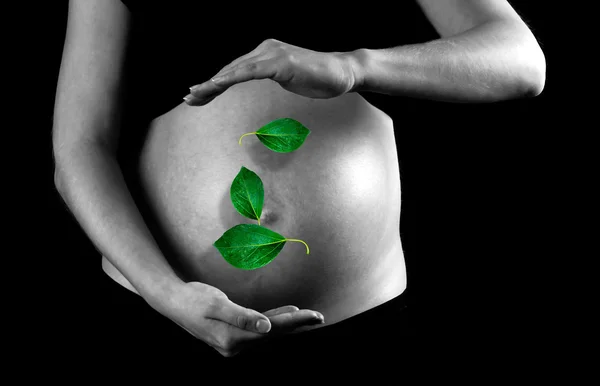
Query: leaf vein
column 248, row 194
column 254, row 245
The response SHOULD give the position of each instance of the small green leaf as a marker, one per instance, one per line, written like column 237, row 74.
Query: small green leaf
column 251, row 246
column 247, row 194
column 282, row 135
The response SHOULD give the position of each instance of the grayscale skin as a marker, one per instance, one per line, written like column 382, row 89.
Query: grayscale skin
column 340, row 192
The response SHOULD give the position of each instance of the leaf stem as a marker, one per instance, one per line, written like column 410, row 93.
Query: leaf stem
column 300, row 241
column 240, row 141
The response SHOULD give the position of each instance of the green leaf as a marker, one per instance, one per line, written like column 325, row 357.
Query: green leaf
column 282, row 135
column 251, row 246
column 247, row 194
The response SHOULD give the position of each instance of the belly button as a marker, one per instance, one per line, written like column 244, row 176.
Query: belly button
column 267, row 216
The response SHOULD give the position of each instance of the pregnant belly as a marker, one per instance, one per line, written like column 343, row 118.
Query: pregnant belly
column 339, row 192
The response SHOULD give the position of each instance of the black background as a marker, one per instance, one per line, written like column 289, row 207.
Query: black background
column 467, row 165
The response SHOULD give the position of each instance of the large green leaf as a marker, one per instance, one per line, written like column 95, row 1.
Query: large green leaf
column 282, row 135
column 251, row 246
column 247, row 194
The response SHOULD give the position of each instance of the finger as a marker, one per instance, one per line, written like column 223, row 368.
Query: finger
column 198, row 89
column 250, row 55
column 248, row 70
column 194, row 101
column 245, row 71
column 203, row 93
column 244, row 318
column 260, row 49
column 230, row 340
column 280, row 310
column 292, row 320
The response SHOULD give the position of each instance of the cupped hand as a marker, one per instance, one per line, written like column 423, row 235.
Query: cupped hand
column 305, row 72
column 206, row 313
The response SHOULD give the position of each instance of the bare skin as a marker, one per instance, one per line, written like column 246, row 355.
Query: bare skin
column 340, row 193
column 485, row 53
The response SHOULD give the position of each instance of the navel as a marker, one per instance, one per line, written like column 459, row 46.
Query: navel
column 268, row 216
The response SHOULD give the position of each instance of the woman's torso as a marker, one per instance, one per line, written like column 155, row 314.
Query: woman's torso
column 339, row 192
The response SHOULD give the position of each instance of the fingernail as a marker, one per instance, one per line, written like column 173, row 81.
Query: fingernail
column 218, row 79
column 194, row 88
column 262, row 326
column 188, row 98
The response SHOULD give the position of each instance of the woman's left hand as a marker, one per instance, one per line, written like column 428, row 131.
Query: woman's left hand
column 304, row 72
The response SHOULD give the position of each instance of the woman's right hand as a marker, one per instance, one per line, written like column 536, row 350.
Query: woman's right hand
column 206, row 313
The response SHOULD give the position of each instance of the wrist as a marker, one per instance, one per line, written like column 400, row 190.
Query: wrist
column 357, row 62
column 161, row 293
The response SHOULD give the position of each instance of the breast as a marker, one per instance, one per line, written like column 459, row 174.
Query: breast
column 339, row 193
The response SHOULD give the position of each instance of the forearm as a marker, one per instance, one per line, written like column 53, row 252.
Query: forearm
column 91, row 183
column 494, row 61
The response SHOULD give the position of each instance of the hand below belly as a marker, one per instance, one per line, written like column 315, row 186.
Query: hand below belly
column 339, row 192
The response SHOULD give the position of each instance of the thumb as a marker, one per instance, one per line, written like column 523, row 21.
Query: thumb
column 242, row 317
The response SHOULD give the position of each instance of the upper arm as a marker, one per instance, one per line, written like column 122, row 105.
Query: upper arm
column 451, row 17
column 89, row 84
